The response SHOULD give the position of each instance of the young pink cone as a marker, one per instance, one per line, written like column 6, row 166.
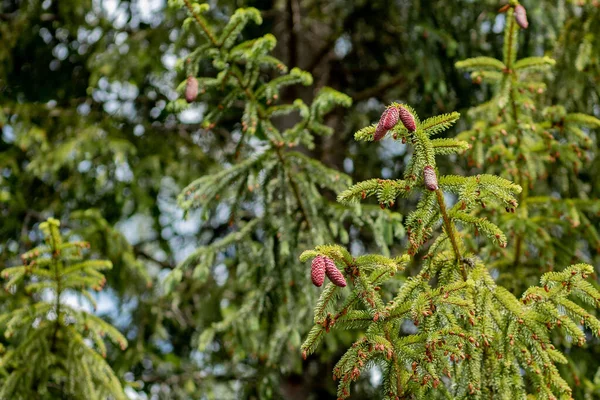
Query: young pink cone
column 333, row 273
column 191, row 89
column 407, row 120
column 388, row 120
column 317, row 271
column 521, row 16
column 430, row 178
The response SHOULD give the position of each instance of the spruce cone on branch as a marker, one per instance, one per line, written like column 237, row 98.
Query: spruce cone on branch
column 408, row 120
column 322, row 265
column 334, row 274
column 191, row 89
column 521, row 16
column 317, row 272
column 388, row 120
column 430, row 178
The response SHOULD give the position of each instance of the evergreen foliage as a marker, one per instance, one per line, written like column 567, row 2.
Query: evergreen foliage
column 576, row 51
column 542, row 148
column 56, row 350
column 470, row 337
column 101, row 129
column 274, row 196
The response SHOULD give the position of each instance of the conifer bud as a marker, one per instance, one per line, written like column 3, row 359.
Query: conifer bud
column 407, row 119
column 317, row 272
column 388, row 120
column 333, row 273
column 191, row 89
column 430, row 178
column 521, row 16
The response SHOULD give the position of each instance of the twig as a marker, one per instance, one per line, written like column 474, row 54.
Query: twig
column 450, row 230
column 201, row 23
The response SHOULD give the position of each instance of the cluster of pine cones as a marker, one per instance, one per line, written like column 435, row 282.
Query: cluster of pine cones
column 322, row 266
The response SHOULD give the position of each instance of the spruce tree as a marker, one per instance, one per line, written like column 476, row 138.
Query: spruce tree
column 576, row 48
column 274, row 196
column 87, row 135
column 543, row 148
column 54, row 349
column 451, row 331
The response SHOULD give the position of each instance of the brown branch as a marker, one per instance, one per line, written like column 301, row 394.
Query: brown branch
column 322, row 53
column 510, row 43
column 449, row 228
column 294, row 186
column 141, row 252
column 515, row 117
column 276, row 146
column 292, row 18
column 377, row 90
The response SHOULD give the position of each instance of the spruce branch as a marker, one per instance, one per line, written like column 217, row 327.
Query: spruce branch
column 512, row 137
column 276, row 196
column 534, row 64
column 67, row 343
column 537, row 148
column 464, row 319
column 196, row 10
column 481, row 64
column 449, row 228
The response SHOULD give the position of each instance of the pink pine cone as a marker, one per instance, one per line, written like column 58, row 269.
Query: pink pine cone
column 334, row 274
column 521, row 16
column 407, row 120
column 430, row 178
column 388, row 120
column 191, row 89
column 317, row 271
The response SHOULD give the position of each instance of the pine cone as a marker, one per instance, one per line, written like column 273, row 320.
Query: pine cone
column 521, row 16
column 333, row 273
column 191, row 89
column 407, row 119
column 431, row 182
column 388, row 120
column 317, row 271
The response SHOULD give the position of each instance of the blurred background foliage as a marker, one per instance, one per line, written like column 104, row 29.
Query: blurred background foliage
column 86, row 137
